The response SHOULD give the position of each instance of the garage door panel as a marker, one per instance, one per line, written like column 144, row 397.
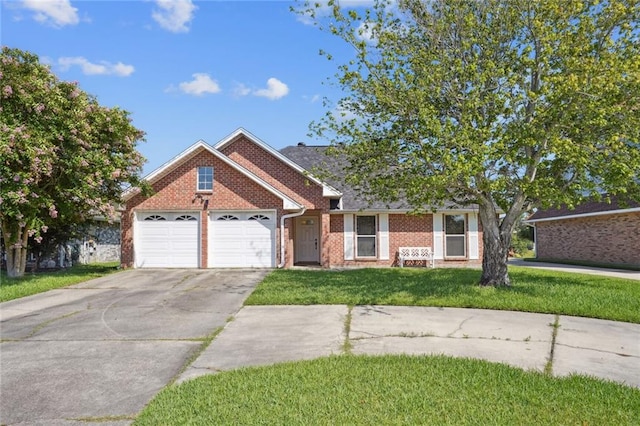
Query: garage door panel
column 167, row 243
column 243, row 242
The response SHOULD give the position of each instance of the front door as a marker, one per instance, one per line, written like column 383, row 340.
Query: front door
column 307, row 244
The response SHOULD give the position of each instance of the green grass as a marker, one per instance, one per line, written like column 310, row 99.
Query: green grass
column 532, row 290
column 33, row 283
column 392, row 390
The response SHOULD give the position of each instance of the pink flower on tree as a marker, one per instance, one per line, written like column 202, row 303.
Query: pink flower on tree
column 53, row 212
column 7, row 90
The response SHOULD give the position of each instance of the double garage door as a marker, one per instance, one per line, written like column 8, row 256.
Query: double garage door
column 235, row 239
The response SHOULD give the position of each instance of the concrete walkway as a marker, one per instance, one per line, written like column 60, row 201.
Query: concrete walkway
column 563, row 345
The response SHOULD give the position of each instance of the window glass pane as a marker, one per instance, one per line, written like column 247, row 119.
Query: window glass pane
column 366, row 247
column 205, row 178
column 366, row 225
column 454, row 224
column 455, row 246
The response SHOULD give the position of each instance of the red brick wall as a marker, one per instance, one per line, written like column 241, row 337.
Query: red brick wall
column 177, row 191
column 612, row 239
column 404, row 231
column 234, row 191
column 276, row 173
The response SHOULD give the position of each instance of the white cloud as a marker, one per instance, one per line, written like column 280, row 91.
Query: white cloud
column 90, row 68
column 174, row 15
column 201, row 84
column 57, row 13
column 275, row 89
column 241, row 90
column 365, row 31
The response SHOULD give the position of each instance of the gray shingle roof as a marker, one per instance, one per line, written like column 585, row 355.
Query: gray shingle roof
column 310, row 157
column 588, row 207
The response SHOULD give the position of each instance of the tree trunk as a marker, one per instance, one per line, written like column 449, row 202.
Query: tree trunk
column 496, row 250
column 16, row 254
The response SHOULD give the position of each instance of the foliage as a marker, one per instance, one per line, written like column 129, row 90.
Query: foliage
column 64, row 156
column 533, row 290
column 507, row 104
column 392, row 390
column 29, row 284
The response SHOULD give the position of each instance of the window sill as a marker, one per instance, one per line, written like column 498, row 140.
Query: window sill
column 456, row 258
column 366, row 259
column 205, row 192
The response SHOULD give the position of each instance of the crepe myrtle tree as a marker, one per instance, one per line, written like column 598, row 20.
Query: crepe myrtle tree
column 63, row 156
column 507, row 105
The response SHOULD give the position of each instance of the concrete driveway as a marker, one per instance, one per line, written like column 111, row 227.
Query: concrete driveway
column 99, row 351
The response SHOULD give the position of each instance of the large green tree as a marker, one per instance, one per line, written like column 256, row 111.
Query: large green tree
column 504, row 104
column 63, row 156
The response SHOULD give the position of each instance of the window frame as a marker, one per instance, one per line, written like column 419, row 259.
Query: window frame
column 200, row 175
column 373, row 236
column 462, row 236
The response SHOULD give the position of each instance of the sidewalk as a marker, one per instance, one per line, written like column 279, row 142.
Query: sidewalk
column 262, row 335
column 605, row 272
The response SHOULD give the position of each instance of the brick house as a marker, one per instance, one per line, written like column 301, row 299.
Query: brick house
column 595, row 231
column 241, row 203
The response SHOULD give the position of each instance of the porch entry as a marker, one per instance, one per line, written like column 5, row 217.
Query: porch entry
column 307, row 240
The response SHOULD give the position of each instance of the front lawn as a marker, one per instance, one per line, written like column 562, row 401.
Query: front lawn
column 536, row 290
column 392, row 390
column 33, row 283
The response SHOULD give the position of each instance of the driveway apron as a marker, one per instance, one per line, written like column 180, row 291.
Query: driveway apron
column 100, row 350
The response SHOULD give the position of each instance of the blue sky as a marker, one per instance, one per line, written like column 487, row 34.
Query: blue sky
column 186, row 70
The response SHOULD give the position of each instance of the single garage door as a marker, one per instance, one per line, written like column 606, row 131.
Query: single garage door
column 242, row 239
column 167, row 240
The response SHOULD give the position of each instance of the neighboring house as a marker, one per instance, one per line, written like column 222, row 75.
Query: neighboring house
column 595, row 231
column 100, row 242
column 97, row 240
column 242, row 203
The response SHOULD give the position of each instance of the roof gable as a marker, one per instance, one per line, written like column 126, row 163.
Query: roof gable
column 287, row 202
column 327, row 190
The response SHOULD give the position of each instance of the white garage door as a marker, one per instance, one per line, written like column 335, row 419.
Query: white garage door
column 242, row 239
column 167, row 240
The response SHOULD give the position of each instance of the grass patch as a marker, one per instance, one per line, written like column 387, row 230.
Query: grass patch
column 33, row 283
column 392, row 390
column 532, row 290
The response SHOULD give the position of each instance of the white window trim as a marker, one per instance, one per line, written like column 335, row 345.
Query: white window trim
column 463, row 236
column 374, row 236
column 349, row 249
column 198, row 179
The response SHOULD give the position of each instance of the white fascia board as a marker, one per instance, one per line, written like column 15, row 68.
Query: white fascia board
column 327, row 190
column 287, row 202
column 575, row 216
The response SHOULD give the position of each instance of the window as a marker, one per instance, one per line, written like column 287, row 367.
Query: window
column 227, row 217
column 155, row 217
column 365, row 236
column 454, row 228
column 186, row 217
column 205, row 178
column 259, row 217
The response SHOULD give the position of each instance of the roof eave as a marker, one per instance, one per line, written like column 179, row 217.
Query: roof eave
column 580, row 215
